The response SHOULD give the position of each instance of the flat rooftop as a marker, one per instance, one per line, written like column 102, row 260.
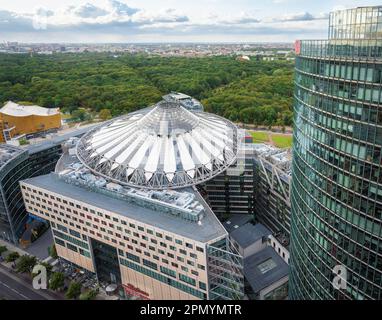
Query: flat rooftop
column 7, row 153
column 281, row 158
column 264, row 268
column 39, row 144
column 236, row 221
column 249, row 233
column 209, row 228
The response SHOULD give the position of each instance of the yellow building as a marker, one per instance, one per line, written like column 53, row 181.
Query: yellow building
column 16, row 120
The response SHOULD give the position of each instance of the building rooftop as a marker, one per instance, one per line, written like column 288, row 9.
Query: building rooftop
column 165, row 147
column 236, row 221
column 280, row 158
column 177, row 96
column 209, row 228
column 60, row 136
column 7, row 153
column 249, row 233
column 182, row 203
column 264, row 268
column 188, row 102
column 17, row 110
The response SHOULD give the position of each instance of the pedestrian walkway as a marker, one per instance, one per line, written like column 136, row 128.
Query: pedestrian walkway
column 38, row 248
column 12, row 247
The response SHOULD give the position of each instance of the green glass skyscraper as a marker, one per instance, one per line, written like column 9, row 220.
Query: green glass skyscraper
column 336, row 196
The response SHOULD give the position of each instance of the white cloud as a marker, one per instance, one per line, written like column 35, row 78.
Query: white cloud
column 114, row 19
column 163, row 16
column 301, row 16
column 242, row 18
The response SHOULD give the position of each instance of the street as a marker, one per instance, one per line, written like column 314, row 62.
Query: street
column 13, row 288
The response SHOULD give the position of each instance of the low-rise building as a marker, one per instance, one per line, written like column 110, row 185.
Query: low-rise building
column 266, row 276
column 265, row 260
column 19, row 120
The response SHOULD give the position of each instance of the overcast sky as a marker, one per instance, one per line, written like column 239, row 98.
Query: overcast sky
column 167, row 20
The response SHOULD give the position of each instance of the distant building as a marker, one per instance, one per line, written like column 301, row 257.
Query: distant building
column 17, row 120
column 243, row 58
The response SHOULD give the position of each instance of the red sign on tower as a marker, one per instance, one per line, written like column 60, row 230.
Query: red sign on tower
column 297, row 46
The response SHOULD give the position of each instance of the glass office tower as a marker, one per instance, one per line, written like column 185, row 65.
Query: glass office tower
column 336, row 193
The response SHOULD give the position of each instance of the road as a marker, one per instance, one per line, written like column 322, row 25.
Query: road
column 13, row 288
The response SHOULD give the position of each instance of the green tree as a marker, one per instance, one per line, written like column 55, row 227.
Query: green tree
column 12, row 256
column 23, row 142
column 79, row 114
column 73, row 291
column 56, row 281
column 25, row 264
column 89, row 295
column 105, row 114
column 3, row 249
column 52, row 251
column 90, row 82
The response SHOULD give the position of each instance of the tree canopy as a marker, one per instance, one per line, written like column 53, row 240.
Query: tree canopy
column 26, row 264
column 57, row 280
column 258, row 92
column 74, row 290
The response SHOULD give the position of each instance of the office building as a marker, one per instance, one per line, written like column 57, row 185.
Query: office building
column 336, row 195
column 123, row 203
column 21, row 162
column 233, row 191
column 272, row 176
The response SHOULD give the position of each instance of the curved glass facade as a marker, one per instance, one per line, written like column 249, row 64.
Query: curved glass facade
column 336, row 193
column 13, row 215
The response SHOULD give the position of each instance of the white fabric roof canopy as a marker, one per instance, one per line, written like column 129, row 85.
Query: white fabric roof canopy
column 167, row 147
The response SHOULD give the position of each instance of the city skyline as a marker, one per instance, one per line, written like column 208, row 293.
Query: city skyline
column 105, row 21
